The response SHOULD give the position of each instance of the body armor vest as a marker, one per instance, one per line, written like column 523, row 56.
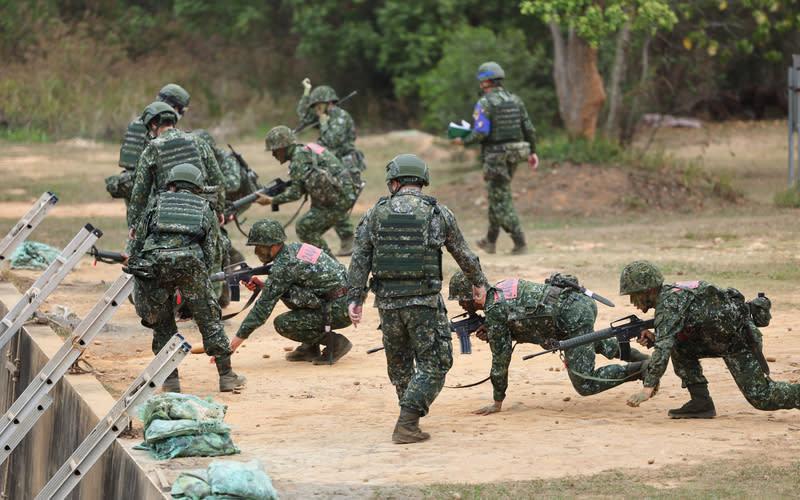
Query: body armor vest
column 132, row 145
column 506, row 118
column 172, row 152
column 180, row 213
column 405, row 263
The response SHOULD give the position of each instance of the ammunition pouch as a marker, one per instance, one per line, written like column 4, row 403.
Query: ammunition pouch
column 760, row 310
column 140, row 268
column 120, row 186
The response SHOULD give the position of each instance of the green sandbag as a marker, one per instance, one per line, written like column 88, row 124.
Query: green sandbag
column 32, row 255
column 201, row 445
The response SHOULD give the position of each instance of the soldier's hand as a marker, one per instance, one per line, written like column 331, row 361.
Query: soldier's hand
column 263, row 199
column 130, row 234
column 323, row 119
column 221, row 218
column 235, row 343
column 487, row 410
column 253, row 284
column 647, row 338
column 458, row 141
column 306, row 86
column 533, row 161
column 482, row 332
column 354, row 311
column 640, row 397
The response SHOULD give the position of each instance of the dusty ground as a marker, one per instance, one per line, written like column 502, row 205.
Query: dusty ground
column 325, row 431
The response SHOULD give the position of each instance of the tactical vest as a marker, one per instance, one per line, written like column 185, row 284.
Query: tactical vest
column 506, row 117
column 132, row 145
column 531, row 301
column 172, row 152
column 180, row 213
column 404, row 261
column 715, row 316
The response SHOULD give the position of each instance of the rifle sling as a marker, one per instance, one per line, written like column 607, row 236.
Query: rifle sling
column 479, row 382
column 249, row 303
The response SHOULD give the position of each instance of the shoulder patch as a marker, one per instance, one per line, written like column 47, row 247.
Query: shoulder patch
column 482, row 123
column 309, row 253
column 509, row 289
column 315, row 148
column 686, row 284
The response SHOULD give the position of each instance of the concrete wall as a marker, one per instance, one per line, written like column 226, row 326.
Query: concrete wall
column 80, row 401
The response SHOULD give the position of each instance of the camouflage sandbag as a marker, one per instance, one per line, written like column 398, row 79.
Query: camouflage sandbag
column 200, row 445
column 173, row 406
column 32, row 255
column 191, row 486
column 162, row 429
column 225, row 480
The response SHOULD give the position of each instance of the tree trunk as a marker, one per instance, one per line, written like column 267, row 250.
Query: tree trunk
column 618, row 72
column 578, row 83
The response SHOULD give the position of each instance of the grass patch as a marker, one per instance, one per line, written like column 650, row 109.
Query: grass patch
column 26, row 133
column 788, row 198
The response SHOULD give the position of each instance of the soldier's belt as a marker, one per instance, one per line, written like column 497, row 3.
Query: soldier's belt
column 336, row 293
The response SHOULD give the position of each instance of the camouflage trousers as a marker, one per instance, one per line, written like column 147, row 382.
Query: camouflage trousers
column 155, row 299
column 502, row 215
column 312, row 225
column 419, row 353
column 759, row 390
column 308, row 325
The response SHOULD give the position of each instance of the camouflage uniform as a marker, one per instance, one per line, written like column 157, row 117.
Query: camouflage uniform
column 691, row 324
column 176, row 241
column 312, row 225
column 301, row 277
column 120, row 186
column 522, row 311
column 338, row 134
column 415, row 329
column 507, row 137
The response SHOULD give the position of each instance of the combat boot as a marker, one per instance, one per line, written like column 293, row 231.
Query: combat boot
column 228, row 380
column 700, row 406
column 407, row 428
column 638, row 356
column 488, row 244
column 341, row 346
column 172, row 383
column 346, row 247
column 520, row 248
column 304, row 352
column 637, row 369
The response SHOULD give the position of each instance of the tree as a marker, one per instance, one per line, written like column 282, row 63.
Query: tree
column 579, row 85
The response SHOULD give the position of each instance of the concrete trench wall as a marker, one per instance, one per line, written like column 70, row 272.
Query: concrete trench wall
column 79, row 402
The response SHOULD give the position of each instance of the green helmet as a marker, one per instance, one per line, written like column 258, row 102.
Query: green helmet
column 639, row 276
column 460, row 287
column 160, row 111
column 279, row 137
column 174, row 95
column 490, row 71
column 323, row 93
column 206, row 136
column 188, row 173
column 407, row 168
column 266, row 232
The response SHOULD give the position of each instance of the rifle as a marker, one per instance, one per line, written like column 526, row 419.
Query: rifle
column 561, row 281
column 107, row 257
column 623, row 331
column 462, row 328
column 304, row 126
column 277, row 187
column 235, row 273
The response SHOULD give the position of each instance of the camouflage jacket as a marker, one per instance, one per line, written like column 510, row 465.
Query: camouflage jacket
column 482, row 115
column 301, row 275
column 302, row 161
column 712, row 320
column 522, row 311
column 231, row 172
column 147, row 180
column 443, row 231
column 339, row 133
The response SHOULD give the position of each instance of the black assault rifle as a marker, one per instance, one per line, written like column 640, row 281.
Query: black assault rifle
column 235, row 273
column 463, row 328
column 623, row 331
column 277, row 187
column 304, row 126
column 107, row 257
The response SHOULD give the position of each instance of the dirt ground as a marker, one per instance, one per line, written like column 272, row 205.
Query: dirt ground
column 325, row 431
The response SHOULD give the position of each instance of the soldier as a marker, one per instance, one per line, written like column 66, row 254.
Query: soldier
column 119, row 186
column 507, row 138
column 560, row 314
column 695, row 320
column 312, row 285
column 169, row 147
column 173, row 248
column 316, row 172
column 399, row 241
column 337, row 132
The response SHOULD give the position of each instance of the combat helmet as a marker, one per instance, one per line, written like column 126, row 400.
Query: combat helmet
column 174, row 95
column 160, row 111
column 460, row 287
column 490, row 71
column 279, row 137
column 206, row 136
column 408, row 169
column 639, row 276
column 266, row 232
column 323, row 93
column 186, row 173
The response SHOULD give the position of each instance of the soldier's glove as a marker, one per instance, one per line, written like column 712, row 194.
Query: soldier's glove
column 487, row 410
column 263, row 199
column 306, row 86
column 323, row 119
column 636, row 399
